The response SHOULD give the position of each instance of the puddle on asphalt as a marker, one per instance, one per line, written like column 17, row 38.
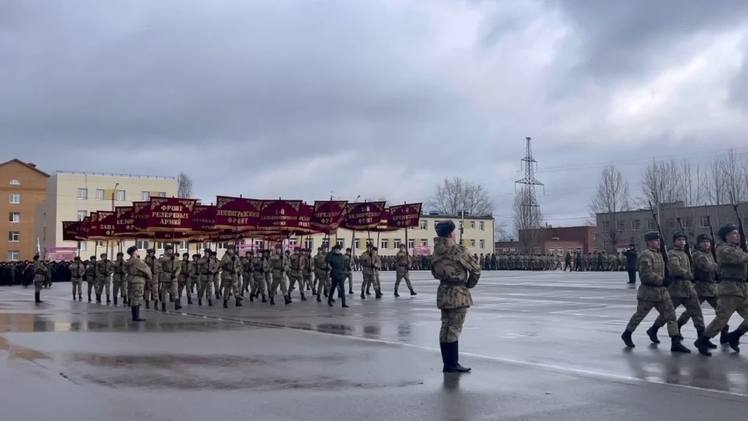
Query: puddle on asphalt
column 20, row 352
column 116, row 322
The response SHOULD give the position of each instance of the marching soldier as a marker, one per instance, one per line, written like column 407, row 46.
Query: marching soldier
column 185, row 280
column 267, row 271
column 348, row 271
column 41, row 272
column 457, row 273
column 306, row 269
column 279, row 267
column 206, row 279
column 193, row 268
column 138, row 273
column 402, row 264
column 732, row 290
column 681, row 289
column 259, row 265
column 119, row 281
column 77, row 272
column 151, row 284
column 367, row 268
column 321, row 273
column 215, row 275
column 294, row 273
column 103, row 272
column 377, row 265
column 91, row 276
column 247, row 274
column 168, row 269
column 231, row 267
column 653, row 294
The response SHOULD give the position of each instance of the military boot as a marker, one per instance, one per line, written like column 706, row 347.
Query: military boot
column 677, row 346
column 199, row 301
column 363, row 297
column 396, row 294
column 702, row 346
column 652, row 333
column 733, row 338
column 210, row 302
column 707, row 342
column 108, row 301
column 80, row 298
column 218, row 295
column 303, row 298
column 37, row 297
column 135, row 310
column 723, row 339
column 288, row 299
column 378, row 294
column 178, row 304
column 319, row 299
column 264, row 299
column 89, row 296
column 452, row 357
column 272, row 300
column 98, row 298
column 115, row 300
column 238, row 302
column 147, row 304
column 626, row 336
column 189, row 299
column 412, row 292
column 163, row 306
column 368, row 290
column 225, row 303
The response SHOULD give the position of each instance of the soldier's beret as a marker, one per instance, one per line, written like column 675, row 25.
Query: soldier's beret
column 444, row 228
column 131, row 250
column 652, row 235
column 185, row 255
column 678, row 235
column 702, row 237
column 169, row 247
column 727, row 229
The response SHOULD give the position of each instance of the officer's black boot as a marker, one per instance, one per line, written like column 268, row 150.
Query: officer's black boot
column 189, row 299
column 677, row 346
column 98, row 298
column 702, row 346
column 115, row 300
column 177, row 304
column 163, row 306
column 456, row 359
column 136, row 314
column 225, row 303
column 199, row 301
column 626, row 336
column 272, row 300
column 707, row 342
column 378, row 294
column 264, row 299
column 238, row 302
column 723, row 335
column 652, row 333
column 412, row 292
column 733, row 338
column 396, row 294
column 108, row 300
column 303, row 298
column 37, row 297
column 445, row 357
column 210, row 302
column 147, row 304
column 89, row 296
column 451, row 364
column 288, row 298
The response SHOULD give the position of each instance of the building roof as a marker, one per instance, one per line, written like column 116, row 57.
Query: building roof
column 28, row 165
column 99, row 174
column 431, row 215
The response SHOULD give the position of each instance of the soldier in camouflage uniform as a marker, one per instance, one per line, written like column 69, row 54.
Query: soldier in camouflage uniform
column 205, row 268
column 215, row 275
column 119, row 279
column 231, row 268
column 104, row 270
column 367, row 268
column 307, row 269
column 77, row 272
column 653, row 293
column 457, row 273
column 294, row 273
column 41, row 272
column 138, row 273
column 681, row 288
column 705, row 271
column 91, row 276
column 267, row 271
column 348, row 270
column 402, row 264
column 193, row 271
column 168, row 269
column 321, row 273
column 151, row 284
column 279, row 267
column 258, row 273
column 732, row 290
column 184, row 278
column 247, row 278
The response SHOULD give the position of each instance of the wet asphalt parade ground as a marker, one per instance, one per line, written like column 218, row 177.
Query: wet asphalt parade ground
column 542, row 345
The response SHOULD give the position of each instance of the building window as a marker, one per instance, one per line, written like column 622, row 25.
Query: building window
column 482, row 244
column 636, row 225
column 14, row 199
column 424, row 225
column 145, row 195
column 142, row 244
column 472, row 224
column 83, row 193
column 82, row 214
column 14, row 217
column 99, row 194
column 396, row 243
column 99, row 244
column 162, row 194
column 121, row 196
column 652, row 225
column 14, row 256
column 424, row 242
column 482, row 225
column 411, row 243
column 84, row 246
column 385, row 243
column 472, row 243
column 357, row 243
column 340, row 242
column 15, row 182
column 309, row 243
column 325, row 243
column 606, row 225
column 704, row 221
column 14, row 236
column 620, row 226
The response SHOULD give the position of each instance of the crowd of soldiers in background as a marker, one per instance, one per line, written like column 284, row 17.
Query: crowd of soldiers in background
column 22, row 273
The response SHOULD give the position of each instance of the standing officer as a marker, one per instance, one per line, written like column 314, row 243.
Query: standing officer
column 119, row 279
column 653, row 293
column 169, row 268
column 733, row 292
column 337, row 263
column 681, row 288
column 631, row 255
column 457, row 273
column 91, row 276
column 41, row 272
column 402, row 266
column 103, row 272
column 231, row 267
column 138, row 273
column 77, row 272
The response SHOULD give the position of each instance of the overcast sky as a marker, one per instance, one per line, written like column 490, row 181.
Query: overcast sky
column 377, row 98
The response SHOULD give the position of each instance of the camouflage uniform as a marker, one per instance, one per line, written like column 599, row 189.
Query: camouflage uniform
column 104, row 270
column 402, row 263
column 119, row 280
column 138, row 273
column 246, row 274
column 732, row 291
column 168, row 271
column 653, row 293
column 457, row 272
column 321, row 274
column 194, row 272
column 306, row 270
column 215, row 275
column 185, row 280
column 231, row 268
column 259, row 265
column 151, row 284
column 294, row 273
column 205, row 269
column 41, row 272
column 681, row 289
column 91, row 276
column 705, row 269
column 77, row 272
column 279, row 266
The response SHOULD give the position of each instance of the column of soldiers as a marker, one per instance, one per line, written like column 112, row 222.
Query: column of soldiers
column 689, row 281
column 577, row 262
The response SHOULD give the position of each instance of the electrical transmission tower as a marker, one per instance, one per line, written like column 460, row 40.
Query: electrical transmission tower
column 528, row 182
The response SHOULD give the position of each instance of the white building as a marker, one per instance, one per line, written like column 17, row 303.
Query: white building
column 71, row 196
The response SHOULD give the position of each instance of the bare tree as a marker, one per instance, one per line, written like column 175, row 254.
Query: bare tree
column 501, row 232
column 716, row 186
column 732, row 170
column 663, row 183
column 455, row 196
column 184, row 185
column 528, row 220
column 611, row 197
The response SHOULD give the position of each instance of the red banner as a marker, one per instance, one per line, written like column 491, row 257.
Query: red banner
column 237, row 213
column 124, row 222
column 363, row 216
column 405, row 216
column 70, row 230
column 141, row 212
column 384, row 222
column 328, row 215
column 279, row 216
column 84, row 228
column 203, row 221
column 102, row 225
column 304, row 225
column 171, row 214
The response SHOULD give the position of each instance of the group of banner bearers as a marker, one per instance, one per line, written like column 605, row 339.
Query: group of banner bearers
column 679, row 278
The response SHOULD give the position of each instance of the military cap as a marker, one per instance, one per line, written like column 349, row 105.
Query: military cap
column 120, row 254
column 337, row 247
column 702, row 237
column 207, row 250
column 678, row 235
column 169, row 247
column 131, row 250
column 651, row 235
column 103, row 255
column 444, row 228
column 76, row 258
column 727, row 229
column 185, row 255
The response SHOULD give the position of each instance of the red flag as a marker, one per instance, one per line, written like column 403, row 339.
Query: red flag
column 279, row 216
column 141, row 212
column 237, row 213
column 84, row 228
column 363, row 216
column 384, row 222
column 203, row 221
column 171, row 214
column 102, row 225
column 70, row 230
column 405, row 216
column 124, row 222
column 328, row 215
